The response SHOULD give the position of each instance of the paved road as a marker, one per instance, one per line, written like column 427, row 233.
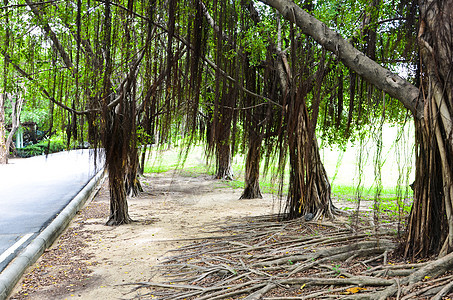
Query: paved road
column 34, row 190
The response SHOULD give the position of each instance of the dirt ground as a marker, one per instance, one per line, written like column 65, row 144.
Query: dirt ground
column 94, row 261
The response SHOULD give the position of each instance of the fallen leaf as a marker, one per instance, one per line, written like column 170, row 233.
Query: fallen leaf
column 354, row 290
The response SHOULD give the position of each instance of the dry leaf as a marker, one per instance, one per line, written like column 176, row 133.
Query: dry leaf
column 354, row 290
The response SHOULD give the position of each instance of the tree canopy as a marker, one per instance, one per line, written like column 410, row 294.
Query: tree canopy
column 263, row 78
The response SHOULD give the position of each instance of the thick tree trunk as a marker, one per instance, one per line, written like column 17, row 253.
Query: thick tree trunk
column 309, row 193
column 3, row 149
column 430, row 228
column 223, row 162
column 116, row 135
column 118, row 199
column 116, row 142
column 427, row 224
column 252, row 169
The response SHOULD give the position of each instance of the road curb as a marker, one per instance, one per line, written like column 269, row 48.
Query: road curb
column 14, row 271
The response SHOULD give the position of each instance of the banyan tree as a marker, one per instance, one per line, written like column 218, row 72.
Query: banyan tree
column 430, row 227
column 99, row 73
column 430, row 224
column 240, row 76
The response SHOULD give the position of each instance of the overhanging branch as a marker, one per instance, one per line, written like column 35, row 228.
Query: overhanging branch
column 371, row 71
column 43, row 90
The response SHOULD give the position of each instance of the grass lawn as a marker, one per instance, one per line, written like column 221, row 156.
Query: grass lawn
column 352, row 171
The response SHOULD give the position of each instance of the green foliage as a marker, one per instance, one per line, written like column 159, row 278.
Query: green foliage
column 255, row 45
column 43, row 147
column 36, row 114
column 337, row 269
column 143, row 138
column 175, row 94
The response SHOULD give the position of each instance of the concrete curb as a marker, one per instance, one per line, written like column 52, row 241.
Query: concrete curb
column 14, row 271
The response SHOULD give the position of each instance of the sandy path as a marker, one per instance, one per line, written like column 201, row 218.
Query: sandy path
column 93, row 261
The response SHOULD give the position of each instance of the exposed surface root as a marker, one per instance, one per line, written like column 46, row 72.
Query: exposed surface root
column 265, row 258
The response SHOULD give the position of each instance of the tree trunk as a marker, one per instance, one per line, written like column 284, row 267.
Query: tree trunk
column 309, row 192
column 221, row 130
column 3, row 149
column 16, row 106
column 252, row 168
column 223, row 162
column 141, row 166
column 116, row 135
column 118, row 199
column 430, row 227
column 116, row 141
column 132, row 182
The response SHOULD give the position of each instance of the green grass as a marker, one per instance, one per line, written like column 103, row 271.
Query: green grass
column 158, row 168
column 349, row 191
column 161, row 161
column 391, row 208
column 341, row 167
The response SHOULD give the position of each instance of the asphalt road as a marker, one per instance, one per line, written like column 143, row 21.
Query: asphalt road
column 34, row 191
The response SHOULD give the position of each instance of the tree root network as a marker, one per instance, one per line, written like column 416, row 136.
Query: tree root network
column 266, row 258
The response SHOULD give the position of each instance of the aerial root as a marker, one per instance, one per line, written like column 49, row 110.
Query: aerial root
column 266, row 258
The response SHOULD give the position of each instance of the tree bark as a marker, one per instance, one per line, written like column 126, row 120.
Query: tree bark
column 16, row 105
column 223, row 161
column 309, row 191
column 430, row 227
column 132, row 182
column 5, row 143
column 221, row 131
column 252, row 169
column 118, row 199
column 377, row 75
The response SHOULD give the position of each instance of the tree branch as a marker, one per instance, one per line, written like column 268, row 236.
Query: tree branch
column 43, row 90
column 52, row 36
column 23, row 5
column 371, row 71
